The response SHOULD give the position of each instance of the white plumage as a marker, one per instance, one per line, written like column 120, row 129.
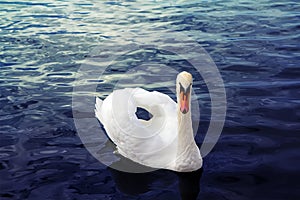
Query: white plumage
column 165, row 141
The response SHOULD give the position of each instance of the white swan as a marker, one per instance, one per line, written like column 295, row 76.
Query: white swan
column 166, row 140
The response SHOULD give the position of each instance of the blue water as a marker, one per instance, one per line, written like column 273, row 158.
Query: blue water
column 255, row 45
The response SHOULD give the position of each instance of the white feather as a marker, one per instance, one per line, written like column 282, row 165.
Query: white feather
column 157, row 143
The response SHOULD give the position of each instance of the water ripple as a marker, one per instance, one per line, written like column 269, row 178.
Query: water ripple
column 42, row 45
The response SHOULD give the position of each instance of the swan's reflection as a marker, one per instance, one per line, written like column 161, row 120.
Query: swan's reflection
column 139, row 183
column 189, row 184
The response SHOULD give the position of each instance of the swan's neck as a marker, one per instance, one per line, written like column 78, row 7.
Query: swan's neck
column 185, row 132
column 188, row 155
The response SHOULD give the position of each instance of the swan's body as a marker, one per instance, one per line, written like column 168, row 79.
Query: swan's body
column 166, row 140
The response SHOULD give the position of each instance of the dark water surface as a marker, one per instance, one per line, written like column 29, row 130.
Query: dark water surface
column 256, row 46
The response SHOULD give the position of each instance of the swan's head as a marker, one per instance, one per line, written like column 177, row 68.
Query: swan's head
column 183, row 88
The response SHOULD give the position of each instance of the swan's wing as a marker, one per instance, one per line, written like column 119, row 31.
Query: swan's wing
column 147, row 142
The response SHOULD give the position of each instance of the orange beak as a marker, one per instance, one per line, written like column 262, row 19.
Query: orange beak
column 184, row 102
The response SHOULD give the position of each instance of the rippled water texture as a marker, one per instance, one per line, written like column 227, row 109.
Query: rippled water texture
column 255, row 45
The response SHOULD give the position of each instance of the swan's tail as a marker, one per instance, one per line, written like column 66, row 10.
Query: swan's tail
column 98, row 106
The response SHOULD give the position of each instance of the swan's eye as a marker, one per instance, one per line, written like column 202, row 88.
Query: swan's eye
column 181, row 88
column 188, row 89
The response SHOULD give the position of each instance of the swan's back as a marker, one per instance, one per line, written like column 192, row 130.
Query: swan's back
column 152, row 143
